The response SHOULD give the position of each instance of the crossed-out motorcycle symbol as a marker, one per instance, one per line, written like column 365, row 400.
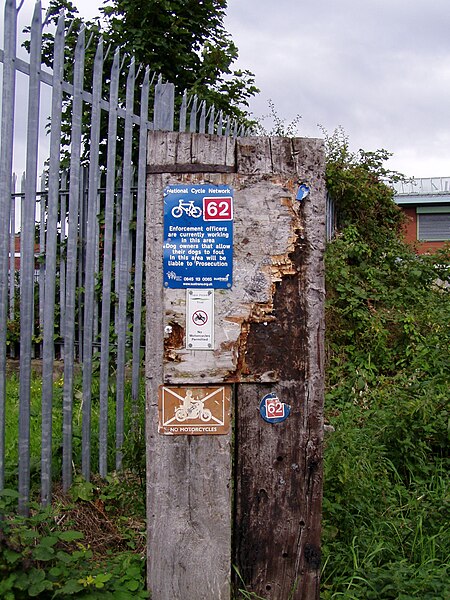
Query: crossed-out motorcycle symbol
column 200, row 318
column 192, row 409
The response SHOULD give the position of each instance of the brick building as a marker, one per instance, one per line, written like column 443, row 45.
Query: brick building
column 426, row 204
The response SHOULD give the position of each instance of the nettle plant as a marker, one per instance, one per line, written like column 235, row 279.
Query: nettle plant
column 38, row 558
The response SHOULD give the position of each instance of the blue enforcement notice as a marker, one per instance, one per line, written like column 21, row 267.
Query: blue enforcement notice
column 198, row 236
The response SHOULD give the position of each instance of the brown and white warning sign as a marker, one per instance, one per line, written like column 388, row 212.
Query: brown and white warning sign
column 194, row 410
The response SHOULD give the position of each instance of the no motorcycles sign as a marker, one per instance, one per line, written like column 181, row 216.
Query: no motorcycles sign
column 194, row 410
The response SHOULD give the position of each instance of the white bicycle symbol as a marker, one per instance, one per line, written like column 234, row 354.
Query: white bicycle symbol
column 186, row 207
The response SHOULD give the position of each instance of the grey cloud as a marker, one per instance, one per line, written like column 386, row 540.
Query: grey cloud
column 379, row 68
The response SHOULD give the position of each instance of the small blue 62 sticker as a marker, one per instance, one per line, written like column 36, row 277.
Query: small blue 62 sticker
column 273, row 410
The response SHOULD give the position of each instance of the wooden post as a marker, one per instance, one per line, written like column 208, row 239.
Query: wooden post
column 189, row 477
column 268, row 340
column 279, row 466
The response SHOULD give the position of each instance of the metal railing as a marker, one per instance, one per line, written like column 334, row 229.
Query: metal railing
column 87, row 220
column 425, row 185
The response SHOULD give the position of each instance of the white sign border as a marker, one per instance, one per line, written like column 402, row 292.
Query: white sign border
column 199, row 300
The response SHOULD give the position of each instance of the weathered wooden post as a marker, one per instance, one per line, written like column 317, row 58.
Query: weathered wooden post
column 234, row 331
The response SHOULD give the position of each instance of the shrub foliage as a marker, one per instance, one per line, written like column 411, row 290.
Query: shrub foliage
column 386, row 499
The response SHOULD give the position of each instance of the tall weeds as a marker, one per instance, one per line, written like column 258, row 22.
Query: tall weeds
column 386, row 498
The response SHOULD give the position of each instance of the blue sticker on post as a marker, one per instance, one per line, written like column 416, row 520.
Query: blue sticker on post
column 303, row 191
column 273, row 410
column 198, row 236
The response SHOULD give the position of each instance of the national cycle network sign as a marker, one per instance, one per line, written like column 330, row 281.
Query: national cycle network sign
column 198, row 236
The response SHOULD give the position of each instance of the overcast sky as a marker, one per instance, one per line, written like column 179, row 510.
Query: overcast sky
column 378, row 68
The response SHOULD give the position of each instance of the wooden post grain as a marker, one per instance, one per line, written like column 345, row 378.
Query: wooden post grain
column 188, row 482
column 268, row 339
column 279, row 466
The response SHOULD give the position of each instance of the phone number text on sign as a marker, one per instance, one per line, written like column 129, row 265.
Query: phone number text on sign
column 198, row 236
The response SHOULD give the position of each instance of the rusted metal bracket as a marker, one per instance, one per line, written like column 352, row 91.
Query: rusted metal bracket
column 190, row 168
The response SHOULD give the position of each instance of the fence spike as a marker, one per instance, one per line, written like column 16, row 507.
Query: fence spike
column 202, row 124
column 220, row 123
column 49, row 272
column 71, row 255
column 71, row 26
column 193, row 116
column 123, row 257
column 108, row 50
column 124, row 58
column 27, row 259
column 183, row 112
column 6, row 162
column 139, row 252
column 89, row 274
column 227, row 126
column 211, row 120
column 91, row 37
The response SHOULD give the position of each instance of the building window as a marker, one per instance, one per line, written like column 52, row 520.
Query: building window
column 433, row 225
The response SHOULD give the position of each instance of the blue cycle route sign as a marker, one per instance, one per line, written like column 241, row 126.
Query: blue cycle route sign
column 198, row 236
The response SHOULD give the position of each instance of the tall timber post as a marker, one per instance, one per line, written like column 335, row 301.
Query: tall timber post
column 234, row 365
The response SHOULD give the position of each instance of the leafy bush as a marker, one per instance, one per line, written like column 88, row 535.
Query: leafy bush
column 39, row 557
column 92, row 542
column 357, row 184
column 386, row 509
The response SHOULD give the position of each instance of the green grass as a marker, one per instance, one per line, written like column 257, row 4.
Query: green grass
column 91, row 543
column 386, row 510
column 133, row 444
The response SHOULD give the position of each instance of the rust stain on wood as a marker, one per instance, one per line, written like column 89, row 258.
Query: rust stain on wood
column 271, row 330
column 277, row 329
column 173, row 341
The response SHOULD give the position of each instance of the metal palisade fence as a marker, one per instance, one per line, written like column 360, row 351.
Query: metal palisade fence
column 72, row 242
